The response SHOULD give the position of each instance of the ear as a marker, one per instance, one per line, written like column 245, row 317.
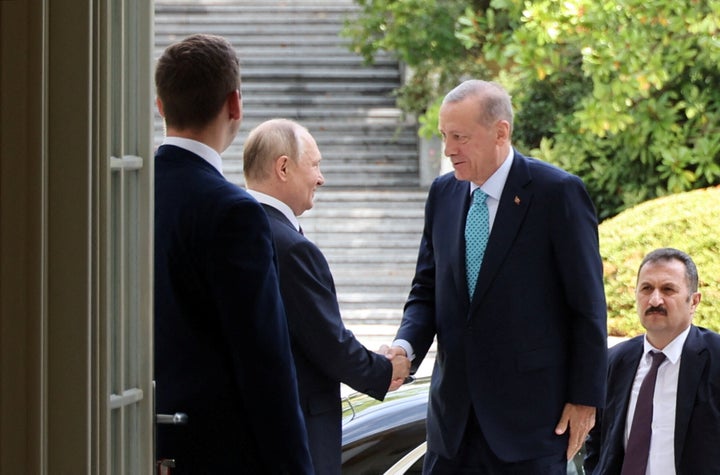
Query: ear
column 503, row 131
column 695, row 299
column 235, row 105
column 159, row 104
column 281, row 167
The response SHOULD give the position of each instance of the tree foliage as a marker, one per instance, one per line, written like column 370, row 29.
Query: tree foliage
column 624, row 93
column 421, row 33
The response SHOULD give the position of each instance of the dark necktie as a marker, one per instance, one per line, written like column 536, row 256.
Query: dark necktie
column 477, row 231
column 638, row 446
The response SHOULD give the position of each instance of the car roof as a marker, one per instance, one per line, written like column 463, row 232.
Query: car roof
column 364, row 416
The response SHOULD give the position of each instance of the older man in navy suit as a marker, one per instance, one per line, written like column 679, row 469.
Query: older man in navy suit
column 222, row 350
column 684, row 423
column 282, row 170
column 521, row 332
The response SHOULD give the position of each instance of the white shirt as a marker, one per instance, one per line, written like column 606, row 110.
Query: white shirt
column 661, row 460
column 493, row 188
column 205, row 152
column 277, row 204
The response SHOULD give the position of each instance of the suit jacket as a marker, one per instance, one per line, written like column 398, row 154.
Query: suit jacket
column 222, row 350
column 325, row 352
column 533, row 337
column 697, row 417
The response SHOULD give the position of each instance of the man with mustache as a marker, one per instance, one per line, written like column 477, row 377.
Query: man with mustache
column 682, row 414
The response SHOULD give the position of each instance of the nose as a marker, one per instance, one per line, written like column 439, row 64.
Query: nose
column 321, row 179
column 448, row 149
column 655, row 298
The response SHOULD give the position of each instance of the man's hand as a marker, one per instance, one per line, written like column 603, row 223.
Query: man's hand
column 400, row 365
column 392, row 351
column 578, row 420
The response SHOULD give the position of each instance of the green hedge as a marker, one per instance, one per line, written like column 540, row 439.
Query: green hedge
column 687, row 221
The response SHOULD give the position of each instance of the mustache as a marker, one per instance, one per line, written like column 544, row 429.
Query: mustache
column 660, row 310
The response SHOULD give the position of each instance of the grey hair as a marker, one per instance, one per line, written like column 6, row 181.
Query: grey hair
column 494, row 102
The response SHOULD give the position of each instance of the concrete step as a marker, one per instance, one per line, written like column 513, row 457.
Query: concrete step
column 396, row 213
column 370, row 239
column 325, row 72
column 368, row 88
column 350, row 225
column 356, row 259
column 318, row 100
column 253, row 7
column 363, row 299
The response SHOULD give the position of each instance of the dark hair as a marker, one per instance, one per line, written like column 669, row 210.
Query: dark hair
column 668, row 254
column 193, row 79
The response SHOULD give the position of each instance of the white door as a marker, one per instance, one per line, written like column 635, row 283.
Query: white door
column 76, row 237
column 126, row 74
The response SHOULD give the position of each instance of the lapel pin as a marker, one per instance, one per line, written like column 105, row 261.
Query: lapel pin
column 517, row 200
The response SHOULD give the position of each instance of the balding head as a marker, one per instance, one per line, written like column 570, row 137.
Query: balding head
column 267, row 142
column 281, row 159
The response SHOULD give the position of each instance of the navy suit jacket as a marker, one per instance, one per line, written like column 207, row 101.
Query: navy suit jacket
column 325, row 352
column 222, row 349
column 534, row 335
column 697, row 417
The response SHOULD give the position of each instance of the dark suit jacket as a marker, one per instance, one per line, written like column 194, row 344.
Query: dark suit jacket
column 534, row 335
column 222, row 350
column 697, row 417
column 326, row 353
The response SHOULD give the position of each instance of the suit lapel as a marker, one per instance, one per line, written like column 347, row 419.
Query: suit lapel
column 623, row 376
column 514, row 203
column 692, row 364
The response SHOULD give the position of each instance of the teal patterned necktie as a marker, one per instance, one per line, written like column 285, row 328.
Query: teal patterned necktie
column 477, row 231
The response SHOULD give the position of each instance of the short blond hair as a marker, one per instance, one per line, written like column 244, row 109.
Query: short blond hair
column 266, row 142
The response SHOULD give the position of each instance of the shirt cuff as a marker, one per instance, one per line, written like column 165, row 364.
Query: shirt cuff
column 405, row 345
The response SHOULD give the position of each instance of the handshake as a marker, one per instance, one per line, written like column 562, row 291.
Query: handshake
column 400, row 365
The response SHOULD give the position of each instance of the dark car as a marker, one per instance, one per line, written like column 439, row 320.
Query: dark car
column 389, row 436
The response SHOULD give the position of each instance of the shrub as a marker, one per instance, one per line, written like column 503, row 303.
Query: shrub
column 686, row 221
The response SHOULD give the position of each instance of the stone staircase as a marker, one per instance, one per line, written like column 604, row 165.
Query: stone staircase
column 367, row 218
column 370, row 239
column 294, row 64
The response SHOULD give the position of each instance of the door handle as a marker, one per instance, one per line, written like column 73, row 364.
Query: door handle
column 179, row 418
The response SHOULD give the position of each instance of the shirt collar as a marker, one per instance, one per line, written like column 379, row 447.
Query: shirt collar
column 494, row 185
column 200, row 149
column 277, row 204
column 673, row 350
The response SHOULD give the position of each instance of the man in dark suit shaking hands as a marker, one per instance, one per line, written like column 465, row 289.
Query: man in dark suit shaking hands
column 512, row 288
column 282, row 170
column 681, row 432
column 222, row 349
